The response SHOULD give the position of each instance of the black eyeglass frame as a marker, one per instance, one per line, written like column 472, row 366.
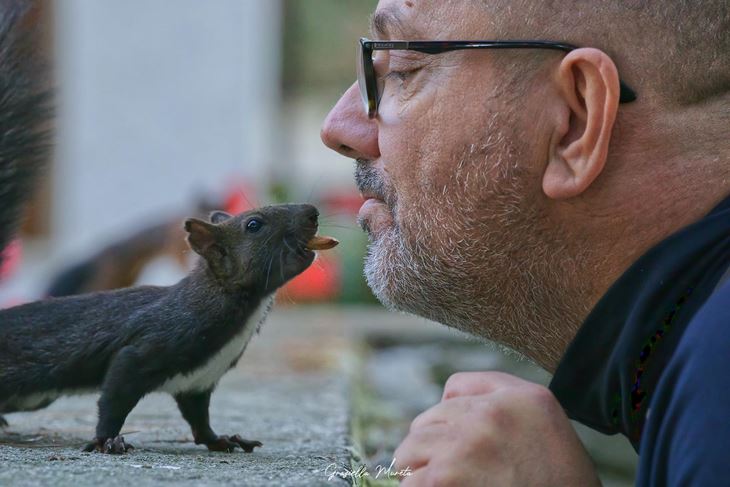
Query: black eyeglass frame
column 366, row 71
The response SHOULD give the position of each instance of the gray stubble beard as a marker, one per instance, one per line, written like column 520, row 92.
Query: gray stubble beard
column 474, row 260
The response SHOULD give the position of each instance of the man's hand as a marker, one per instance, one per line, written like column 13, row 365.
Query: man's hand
column 494, row 429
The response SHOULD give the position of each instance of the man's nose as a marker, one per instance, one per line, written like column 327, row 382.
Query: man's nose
column 348, row 130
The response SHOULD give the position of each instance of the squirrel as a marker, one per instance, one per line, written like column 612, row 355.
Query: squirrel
column 120, row 263
column 25, row 112
column 179, row 339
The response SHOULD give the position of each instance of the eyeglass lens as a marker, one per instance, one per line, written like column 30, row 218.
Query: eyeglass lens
column 361, row 81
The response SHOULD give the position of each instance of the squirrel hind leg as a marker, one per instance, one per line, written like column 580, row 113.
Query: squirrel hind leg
column 194, row 408
column 230, row 443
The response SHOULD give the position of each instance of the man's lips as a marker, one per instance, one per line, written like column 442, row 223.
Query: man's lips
column 374, row 215
column 371, row 196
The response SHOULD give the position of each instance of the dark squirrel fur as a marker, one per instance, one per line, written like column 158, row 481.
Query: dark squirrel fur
column 120, row 263
column 133, row 341
column 25, row 112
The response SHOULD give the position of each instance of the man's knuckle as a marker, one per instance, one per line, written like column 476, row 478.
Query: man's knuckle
column 454, row 383
column 541, row 396
column 418, row 422
column 401, row 455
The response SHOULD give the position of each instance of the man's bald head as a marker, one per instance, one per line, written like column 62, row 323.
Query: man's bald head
column 676, row 51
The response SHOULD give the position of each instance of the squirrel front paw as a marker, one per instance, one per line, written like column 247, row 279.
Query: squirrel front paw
column 229, row 443
column 3, row 423
column 113, row 446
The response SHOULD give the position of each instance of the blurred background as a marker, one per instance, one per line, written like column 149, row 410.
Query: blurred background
column 171, row 109
column 167, row 109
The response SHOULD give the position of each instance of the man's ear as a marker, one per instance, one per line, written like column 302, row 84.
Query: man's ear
column 589, row 86
column 219, row 216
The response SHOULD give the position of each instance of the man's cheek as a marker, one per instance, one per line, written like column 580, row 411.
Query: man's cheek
column 403, row 167
column 425, row 180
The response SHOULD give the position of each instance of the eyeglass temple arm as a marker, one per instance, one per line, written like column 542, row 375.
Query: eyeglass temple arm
column 626, row 94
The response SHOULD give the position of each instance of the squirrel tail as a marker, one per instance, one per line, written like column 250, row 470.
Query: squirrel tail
column 25, row 110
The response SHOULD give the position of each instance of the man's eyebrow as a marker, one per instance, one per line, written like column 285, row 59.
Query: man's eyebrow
column 384, row 22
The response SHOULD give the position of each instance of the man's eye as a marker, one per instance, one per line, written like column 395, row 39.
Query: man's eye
column 397, row 75
column 254, row 225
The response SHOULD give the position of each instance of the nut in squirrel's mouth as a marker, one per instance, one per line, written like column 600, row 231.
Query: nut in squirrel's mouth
column 322, row 243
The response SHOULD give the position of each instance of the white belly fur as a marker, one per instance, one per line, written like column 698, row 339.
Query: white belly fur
column 40, row 399
column 205, row 377
column 198, row 380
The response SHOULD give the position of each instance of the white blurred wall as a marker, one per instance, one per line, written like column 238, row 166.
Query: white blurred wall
column 159, row 99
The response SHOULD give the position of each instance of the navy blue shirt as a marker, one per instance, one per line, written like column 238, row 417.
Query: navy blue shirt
column 652, row 360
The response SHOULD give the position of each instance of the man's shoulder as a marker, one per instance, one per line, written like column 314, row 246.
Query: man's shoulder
column 686, row 436
column 701, row 362
column 709, row 330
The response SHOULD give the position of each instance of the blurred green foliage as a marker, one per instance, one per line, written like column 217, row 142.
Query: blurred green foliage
column 319, row 52
column 320, row 38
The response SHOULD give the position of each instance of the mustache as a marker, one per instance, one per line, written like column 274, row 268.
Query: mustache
column 369, row 181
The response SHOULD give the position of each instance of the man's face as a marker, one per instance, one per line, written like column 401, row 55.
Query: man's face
column 451, row 171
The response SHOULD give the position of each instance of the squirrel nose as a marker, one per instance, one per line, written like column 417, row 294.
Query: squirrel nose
column 309, row 214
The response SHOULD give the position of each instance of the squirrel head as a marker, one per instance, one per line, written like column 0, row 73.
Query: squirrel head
column 258, row 250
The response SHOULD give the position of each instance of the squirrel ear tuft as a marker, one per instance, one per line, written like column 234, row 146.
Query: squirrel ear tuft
column 219, row 216
column 201, row 236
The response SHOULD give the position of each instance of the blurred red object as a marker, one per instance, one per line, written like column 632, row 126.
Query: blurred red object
column 239, row 198
column 343, row 202
column 12, row 255
column 320, row 282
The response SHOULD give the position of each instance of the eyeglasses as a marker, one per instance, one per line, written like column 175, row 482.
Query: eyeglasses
column 369, row 83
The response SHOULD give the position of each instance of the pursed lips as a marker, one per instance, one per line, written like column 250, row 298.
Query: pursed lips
column 367, row 195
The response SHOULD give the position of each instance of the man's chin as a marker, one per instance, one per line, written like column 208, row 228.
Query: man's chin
column 385, row 279
column 398, row 299
column 377, row 274
column 391, row 273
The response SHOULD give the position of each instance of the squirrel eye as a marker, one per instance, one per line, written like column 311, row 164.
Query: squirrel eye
column 254, row 225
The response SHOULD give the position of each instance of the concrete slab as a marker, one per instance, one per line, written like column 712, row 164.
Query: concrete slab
column 284, row 393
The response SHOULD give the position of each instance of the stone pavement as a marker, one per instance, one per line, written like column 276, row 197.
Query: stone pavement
column 325, row 389
column 288, row 391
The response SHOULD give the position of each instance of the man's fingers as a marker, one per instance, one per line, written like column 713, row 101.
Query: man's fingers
column 436, row 475
column 417, row 478
column 454, row 410
column 420, row 445
column 476, row 383
column 431, row 416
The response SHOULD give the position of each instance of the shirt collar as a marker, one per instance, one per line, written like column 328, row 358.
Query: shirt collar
column 608, row 373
